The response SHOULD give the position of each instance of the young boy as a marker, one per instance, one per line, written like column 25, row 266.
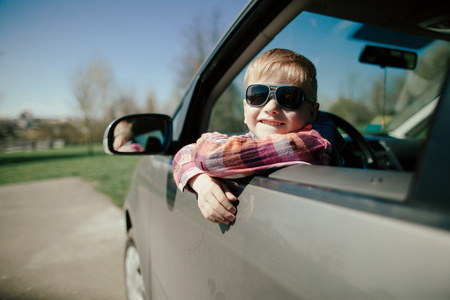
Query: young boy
column 282, row 114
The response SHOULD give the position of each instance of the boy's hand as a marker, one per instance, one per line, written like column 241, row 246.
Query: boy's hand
column 214, row 199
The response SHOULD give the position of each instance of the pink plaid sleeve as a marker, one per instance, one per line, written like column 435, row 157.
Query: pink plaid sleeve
column 238, row 156
column 184, row 167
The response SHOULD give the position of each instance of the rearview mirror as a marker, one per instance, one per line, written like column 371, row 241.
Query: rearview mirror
column 386, row 57
column 138, row 134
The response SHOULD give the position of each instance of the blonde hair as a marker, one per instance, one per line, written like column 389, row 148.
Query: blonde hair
column 283, row 64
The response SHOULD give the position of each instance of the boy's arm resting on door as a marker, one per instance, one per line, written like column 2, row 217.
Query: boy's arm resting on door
column 217, row 155
column 238, row 156
column 214, row 197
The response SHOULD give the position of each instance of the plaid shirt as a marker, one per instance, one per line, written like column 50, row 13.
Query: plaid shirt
column 219, row 155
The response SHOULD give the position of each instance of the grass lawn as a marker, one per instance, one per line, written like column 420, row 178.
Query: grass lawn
column 109, row 174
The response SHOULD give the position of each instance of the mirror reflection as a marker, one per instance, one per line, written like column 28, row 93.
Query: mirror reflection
column 143, row 133
column 125, row 139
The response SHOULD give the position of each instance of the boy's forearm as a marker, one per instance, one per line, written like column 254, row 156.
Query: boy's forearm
column 184, row 167
column 232, row 157
column 241, row 156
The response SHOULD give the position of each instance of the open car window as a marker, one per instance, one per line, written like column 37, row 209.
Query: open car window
column 391, row 103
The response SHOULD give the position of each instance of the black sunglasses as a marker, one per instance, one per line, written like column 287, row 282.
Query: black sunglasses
column 287, row 96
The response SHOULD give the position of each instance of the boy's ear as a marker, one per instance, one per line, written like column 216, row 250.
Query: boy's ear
column 245, row 111
column 314, row 111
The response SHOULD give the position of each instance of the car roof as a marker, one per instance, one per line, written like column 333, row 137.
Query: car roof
column 418, row 17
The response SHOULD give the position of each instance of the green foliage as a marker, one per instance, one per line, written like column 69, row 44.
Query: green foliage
column 7, row 129
column 109, row 174
column 355, row 112
column 228, row 113
column 70, row 131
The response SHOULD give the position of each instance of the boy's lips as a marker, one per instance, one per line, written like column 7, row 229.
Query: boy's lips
column 272, row 122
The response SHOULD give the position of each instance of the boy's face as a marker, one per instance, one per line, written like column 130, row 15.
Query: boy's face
column 272, row 119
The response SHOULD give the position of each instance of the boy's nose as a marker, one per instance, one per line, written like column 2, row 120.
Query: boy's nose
column 272, row 105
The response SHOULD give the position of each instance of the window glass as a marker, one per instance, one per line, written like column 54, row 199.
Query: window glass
column 228, row 112
column 372, row 98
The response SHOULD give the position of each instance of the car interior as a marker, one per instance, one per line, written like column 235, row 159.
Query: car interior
column 388, row 81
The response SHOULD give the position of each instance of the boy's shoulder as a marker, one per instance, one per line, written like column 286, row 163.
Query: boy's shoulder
column 325, row 126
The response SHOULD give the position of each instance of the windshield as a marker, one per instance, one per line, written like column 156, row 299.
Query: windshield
column 373, row 98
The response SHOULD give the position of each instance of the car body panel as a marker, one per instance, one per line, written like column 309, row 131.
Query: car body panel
column 286, row 245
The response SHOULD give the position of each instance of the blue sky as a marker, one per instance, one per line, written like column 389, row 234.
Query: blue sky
column 42, row 43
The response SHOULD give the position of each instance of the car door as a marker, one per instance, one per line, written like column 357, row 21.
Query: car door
column 293, row 237
column 359, row 233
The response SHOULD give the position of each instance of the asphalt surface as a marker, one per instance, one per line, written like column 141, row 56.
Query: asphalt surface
column 60, row 239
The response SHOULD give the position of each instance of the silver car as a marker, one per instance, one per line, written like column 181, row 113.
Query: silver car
column 376, row 227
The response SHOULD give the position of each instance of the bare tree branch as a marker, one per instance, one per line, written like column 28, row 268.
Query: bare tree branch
column 91, row 87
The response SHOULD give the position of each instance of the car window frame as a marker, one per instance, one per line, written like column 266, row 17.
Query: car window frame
column 250, row 33
column 430, row 185
column 417, row 206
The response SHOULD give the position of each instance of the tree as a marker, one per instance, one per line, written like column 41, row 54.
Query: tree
column 91, row 86
column 228, row 113
column 85, row 96
column 150, row 103
column 103, row 79
column 198, row 38
column 125, row 104
column 425, row 83
column 355, row 112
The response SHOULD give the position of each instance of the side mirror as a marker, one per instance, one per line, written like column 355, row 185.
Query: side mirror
column 138, row 134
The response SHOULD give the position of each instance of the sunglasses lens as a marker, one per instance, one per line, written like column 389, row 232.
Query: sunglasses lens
column 257, row 94
column 289, row 97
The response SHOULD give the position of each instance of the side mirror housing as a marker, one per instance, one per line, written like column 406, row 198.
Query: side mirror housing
column 138, row 134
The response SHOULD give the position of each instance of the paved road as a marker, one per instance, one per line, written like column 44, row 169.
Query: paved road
column 60, row 239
